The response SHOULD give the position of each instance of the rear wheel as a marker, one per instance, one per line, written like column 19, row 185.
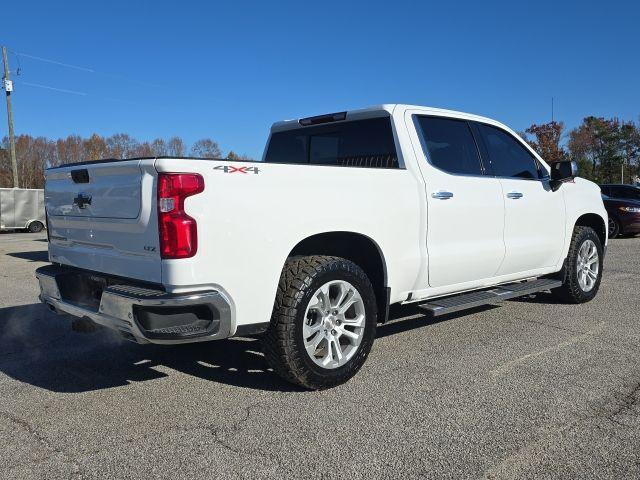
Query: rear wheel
column 614, row 228
column 582, row 272
column 35, row 227
column 323, row 323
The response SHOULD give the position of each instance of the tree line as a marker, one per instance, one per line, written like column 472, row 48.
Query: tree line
column 606, row 149
column 35, row 154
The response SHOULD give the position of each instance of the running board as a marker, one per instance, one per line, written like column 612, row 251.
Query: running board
column 464, row 301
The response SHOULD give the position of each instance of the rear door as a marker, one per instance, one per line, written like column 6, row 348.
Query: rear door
column 534, row 229
column 465, row 206
column 103, row 217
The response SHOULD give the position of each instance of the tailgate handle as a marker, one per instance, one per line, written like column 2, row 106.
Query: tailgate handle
column 80, row 176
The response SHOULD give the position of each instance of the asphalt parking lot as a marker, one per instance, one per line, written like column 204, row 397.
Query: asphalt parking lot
column 529, row 389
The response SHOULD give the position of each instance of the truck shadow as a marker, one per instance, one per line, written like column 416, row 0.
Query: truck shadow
column 35, row 256
column 39, row 348
column 540, row 297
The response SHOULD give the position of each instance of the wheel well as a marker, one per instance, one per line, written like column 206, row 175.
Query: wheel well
column 358, row 248
column 596, row 222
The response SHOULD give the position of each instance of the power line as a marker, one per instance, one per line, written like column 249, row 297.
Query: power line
column 55, row 62
column 75, row 92
column 87, row 69
column 55, row 89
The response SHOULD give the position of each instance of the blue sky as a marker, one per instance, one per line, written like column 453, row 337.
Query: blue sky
column 227, row 70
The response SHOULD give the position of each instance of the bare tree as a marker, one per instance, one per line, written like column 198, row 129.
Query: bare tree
column 159, row 147
column 95, row 147
column 122, row 145
column 35, row 154
column 70, row 150
column 206, row 148
column 175, row 147
column 145, row 149
column 234, row 156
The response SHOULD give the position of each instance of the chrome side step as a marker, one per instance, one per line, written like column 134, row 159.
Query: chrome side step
column 464, row 301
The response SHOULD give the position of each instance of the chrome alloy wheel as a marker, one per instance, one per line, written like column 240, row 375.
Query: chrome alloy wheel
column 334, row 324
column 588, row 265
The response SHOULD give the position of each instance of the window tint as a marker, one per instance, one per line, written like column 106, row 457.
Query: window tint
column 618, row 191
column 288, row 147
column 622, row 191
column 359, row 143
column 449, row 145
column 605, row 190
column 631, row 192
column 509, row 158
column 615, row 192
column 324, row 149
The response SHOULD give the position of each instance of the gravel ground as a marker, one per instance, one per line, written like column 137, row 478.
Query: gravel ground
column 529, row 389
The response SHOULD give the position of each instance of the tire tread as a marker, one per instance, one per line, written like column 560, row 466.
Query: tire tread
column 570, row 291
column 279, row 343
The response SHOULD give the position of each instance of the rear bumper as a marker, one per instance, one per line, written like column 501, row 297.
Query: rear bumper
column 139, row 313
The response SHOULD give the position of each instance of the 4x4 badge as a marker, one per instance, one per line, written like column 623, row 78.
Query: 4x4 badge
column 232, row 169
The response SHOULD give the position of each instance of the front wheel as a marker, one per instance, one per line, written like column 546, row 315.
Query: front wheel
column 582, row 272
column 323, row 322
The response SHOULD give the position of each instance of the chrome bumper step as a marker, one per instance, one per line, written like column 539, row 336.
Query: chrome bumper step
column 141, row 313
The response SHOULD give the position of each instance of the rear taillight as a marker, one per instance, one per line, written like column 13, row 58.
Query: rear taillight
column 178, row 231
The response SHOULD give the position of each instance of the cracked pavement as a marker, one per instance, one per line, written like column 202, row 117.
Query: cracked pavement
column 528, row 389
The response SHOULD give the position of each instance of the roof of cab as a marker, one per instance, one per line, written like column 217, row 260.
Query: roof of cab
column 388, row 109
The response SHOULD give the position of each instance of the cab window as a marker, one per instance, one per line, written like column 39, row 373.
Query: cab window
column 507, row 156
column 449, row 145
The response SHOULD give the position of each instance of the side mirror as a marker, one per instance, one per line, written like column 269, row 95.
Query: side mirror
column 561, row 172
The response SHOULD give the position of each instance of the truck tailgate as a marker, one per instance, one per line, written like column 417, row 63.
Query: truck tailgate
column 103, row 217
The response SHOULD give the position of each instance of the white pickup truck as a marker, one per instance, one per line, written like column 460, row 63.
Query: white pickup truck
column 346, row 214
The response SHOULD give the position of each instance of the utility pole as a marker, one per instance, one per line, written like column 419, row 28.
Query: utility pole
column 8, row 88
column 551, row 109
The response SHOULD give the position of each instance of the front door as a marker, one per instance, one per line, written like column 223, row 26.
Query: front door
column 534, row 228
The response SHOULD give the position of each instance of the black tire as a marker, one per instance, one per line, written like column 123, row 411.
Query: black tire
column 283, row 343
column 571, row 291
column 35, row 227
column 614, row 227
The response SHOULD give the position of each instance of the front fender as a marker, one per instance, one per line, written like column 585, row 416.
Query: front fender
column 584, row 206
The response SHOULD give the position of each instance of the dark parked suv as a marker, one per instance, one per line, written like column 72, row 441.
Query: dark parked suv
column 623, row 206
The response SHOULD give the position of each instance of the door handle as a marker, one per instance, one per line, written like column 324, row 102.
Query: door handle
column 514, row 195
column 440, row 195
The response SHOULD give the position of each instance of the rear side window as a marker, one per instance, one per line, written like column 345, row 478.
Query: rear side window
column 359, row 143
column 449, row 145
column 509, row 158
